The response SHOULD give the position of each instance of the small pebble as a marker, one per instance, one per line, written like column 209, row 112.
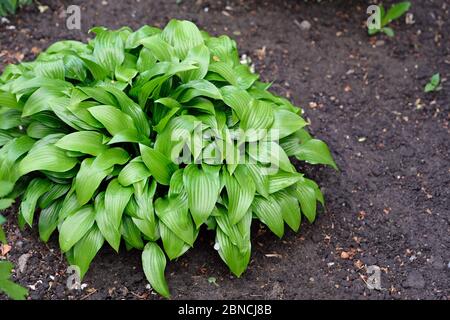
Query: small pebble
column 305, row 25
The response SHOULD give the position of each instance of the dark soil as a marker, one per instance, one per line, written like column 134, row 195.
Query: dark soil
column 389, row 204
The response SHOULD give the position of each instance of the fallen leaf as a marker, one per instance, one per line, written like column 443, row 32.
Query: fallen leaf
column 4, row 249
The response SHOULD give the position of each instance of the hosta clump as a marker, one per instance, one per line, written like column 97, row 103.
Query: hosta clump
column 146, row 136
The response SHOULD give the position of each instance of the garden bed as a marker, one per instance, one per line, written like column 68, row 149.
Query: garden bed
column 387, row 206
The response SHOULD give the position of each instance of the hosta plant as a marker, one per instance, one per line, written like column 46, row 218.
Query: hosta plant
column 146, row 136
column 10, row 6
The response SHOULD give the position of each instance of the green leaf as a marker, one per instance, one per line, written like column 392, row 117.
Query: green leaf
column 133, row 172
column 10, row 119
column 396, row 11
column 238, row 234
column 47, row 157
column 435, row 79
column 42, row 99
column 86, row 249
column 388, row 31
column 239, row 76
column 154, row 264
column 105, row 223
column 109, row 49
column 239, row 100
column 35, row 190
column 48, row 220
column 88, row 142
column 112, row 118
column 159, row 48
column 88, row 179
column 75, row 227
column 259, row 115
column 50, row 69
column 306, row 194
column 429, row 87
column 173, row 245
column 198, row 56
column 316, row 151
column 281, row 180
column 5, row 204
column 173, row 212
column 202, row 187
column 260, row 177
column 285, row 123
column 111, row 157
column 116, row 199
column 290, row 209
column 196, row 88
column 269, row 212
column 131, row 233
column 56, row 191
column 160, row 167
column 240, row 190
column 182, row 35
column 14, row 291
column 231, row 255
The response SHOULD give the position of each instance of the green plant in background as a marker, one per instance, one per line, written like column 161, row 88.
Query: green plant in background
column 394, row 12
column 14, row 291
column 96, row 135
column 11, row 289
column 434, row 83
column 10, row 6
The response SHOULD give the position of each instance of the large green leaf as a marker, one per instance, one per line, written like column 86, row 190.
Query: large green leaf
column 116, row 199
column 13, row 290
column 108, row 49
column 154, row 264
column 86, row 249
column 114, row 120
column 35, row 190
column 160, row 167
column 269, row 212
column 48, row 220
column 47, row 157
column 231, row 255
column 133, row 172
column 202, row 186
column 240, row 190
column 105, row 223
column 88, row 179
column 75, row 227
column 173, row 212
column 316, row 151
column 88, row 142
column 182, row 35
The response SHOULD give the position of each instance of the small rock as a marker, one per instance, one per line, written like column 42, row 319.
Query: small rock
column 379, row 43
column 414, row 280
column 19, row 244
column 22, row 262
column 344, row 255
column 305, row 25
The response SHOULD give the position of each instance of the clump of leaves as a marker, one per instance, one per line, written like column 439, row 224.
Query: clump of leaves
column 11, row 289
column 14, row 291
column 434, row 84
column 10, row 6
column 146, row 136
column 395, row 11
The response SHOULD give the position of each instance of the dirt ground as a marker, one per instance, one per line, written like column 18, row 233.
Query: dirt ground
column 387, row 206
